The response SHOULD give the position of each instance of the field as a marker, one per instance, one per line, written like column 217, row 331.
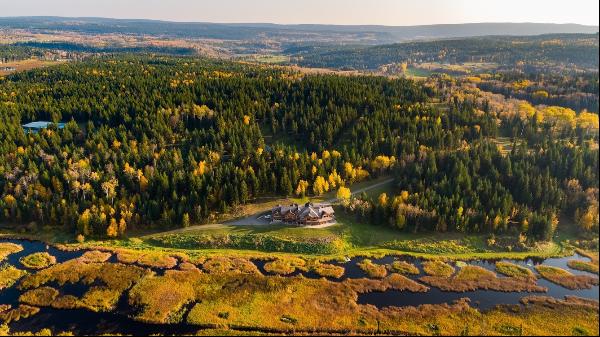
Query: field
column 23, row 65
column 413, row 72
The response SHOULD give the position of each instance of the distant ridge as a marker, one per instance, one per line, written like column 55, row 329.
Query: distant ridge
column 371, row 34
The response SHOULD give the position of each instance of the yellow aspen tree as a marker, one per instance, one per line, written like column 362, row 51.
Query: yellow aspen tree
column 301, row 189
column 335, row 179
column 343, row 193
column 383, row 199
column 320, row 186
column 113, row 229
column 122, row 226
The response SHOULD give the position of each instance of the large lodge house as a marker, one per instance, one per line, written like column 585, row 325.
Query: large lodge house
column 308, row 215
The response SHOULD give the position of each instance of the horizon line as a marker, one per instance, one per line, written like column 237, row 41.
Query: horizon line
column 295, row 24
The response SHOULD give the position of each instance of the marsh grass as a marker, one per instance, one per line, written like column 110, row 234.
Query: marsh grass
column 222, row 264
column 471, row 278
column 590, row 267
column 22, row 311
column 280, row 304
column 241, row 300
column 95, row 256
column 438, row 268
column 372, row 270
column 285, row 266
column 590, row 255
column 161, row 299
column 513, row 270
column 147, row 259
column 566, row 279
column 393, row 282
column 403, row 267
column 39, row 297
column 229, row 299
column 544, row 316
column 65, row 302
column 328, row 270
column 107, row 281
column 7, row 248
column 38, row 261
column 9, row 275
column 187, row 266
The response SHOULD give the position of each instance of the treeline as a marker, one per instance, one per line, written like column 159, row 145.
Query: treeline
column 577, row 49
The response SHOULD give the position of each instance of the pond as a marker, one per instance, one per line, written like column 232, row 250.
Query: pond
column 87, row 322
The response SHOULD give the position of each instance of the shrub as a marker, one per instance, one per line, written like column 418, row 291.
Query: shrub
column 431, row 246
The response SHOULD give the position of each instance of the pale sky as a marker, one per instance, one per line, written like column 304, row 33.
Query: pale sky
column 351, row 12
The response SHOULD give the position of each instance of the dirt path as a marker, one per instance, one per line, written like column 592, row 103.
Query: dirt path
column 364, row 189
